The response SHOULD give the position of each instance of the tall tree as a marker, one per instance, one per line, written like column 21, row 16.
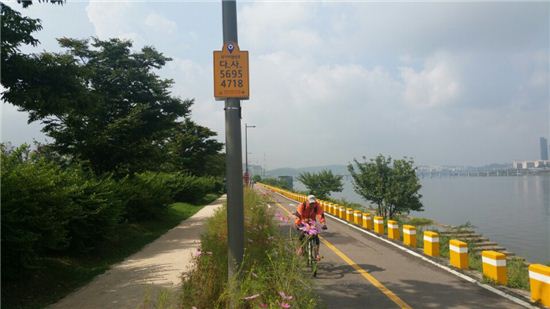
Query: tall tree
column 101, row 102
column 193, row 149
column 394, row 188
column 322, row 183
column 403, row 192
column 16, row 31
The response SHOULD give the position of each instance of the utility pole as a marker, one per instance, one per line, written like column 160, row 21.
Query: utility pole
column 233, row 147
column 246, row 126
column 263, row 176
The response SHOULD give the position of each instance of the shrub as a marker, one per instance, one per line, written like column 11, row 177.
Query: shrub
column 49, row 209
column 145, row 195
column 46, row 208
column 99, row 210
column 36, row 207
column 192, row 189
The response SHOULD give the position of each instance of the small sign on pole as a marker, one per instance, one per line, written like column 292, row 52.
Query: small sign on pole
column 231, row 73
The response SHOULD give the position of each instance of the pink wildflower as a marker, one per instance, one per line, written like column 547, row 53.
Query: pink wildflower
column 198, row 253
column 285, row 305
column 284, row 296
column 251, row 297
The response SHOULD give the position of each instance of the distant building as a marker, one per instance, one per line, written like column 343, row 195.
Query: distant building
column 543, row 148
column 531, row 164
column 288, row 180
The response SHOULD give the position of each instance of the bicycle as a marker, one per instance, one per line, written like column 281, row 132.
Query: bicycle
column 311, row 256
column 311, row 245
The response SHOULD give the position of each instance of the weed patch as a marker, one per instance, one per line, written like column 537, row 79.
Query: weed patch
column 271, row 274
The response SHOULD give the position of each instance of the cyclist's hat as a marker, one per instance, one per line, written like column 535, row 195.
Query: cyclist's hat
column 311, row 199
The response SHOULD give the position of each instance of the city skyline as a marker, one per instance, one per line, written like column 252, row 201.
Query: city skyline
column 543, row 148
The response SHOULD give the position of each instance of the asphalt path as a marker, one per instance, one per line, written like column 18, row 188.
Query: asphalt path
column 360, row 271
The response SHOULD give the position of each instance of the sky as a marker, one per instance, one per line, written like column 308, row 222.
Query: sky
column 444, row 83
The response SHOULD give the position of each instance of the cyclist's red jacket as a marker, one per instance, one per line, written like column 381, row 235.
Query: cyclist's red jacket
column 306, row 211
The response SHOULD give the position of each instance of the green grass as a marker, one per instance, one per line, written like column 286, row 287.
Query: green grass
column 417, row 221
column 270, row 265
column 59, row 275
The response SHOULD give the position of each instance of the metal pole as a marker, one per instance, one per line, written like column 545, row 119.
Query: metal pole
column 246, row 126
column 233, row 148
column 246, row 146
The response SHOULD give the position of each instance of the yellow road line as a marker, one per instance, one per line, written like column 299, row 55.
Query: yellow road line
column 360, row 270
column 366, row 275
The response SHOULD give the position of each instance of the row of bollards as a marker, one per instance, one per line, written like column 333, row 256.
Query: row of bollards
column 494, row 263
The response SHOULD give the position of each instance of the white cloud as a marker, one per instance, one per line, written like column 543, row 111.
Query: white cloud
column 437, row 84
column 160, row 23
column 113, row 19
column 278, row 26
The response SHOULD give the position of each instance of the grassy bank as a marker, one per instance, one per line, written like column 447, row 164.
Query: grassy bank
column 271, row 276
column 518, row 272
column 59, row 275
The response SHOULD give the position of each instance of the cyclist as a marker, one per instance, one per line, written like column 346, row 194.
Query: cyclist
column 306, row 213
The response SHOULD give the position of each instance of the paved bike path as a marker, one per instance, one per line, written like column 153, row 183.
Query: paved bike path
column 417, row 283
column 142, row 276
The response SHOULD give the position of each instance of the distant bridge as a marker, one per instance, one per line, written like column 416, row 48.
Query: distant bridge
column 435, row 173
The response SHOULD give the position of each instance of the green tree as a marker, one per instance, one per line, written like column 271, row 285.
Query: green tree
column 16, row 31
column 392, row 187
column 101, row 103
column 276, row 183
column 193, row 149
column 322, row 183
column 257, row 178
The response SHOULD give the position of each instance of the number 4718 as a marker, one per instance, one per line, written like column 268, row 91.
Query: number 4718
column 232, row 83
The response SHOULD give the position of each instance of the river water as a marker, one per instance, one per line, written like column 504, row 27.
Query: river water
column 511, row 211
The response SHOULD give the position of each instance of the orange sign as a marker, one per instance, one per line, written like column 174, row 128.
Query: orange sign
column 231, row 73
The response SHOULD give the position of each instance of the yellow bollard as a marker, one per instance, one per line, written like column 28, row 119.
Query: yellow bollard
column 393, row 230
column 458, row 250
column 367, row 221
column 431, row 243
column 357, row 217
column 379, row 225
column 349, row 214
column 494, row 266
column 409, row 235
column 333, row 209
column 341, row 212
column 539, row 282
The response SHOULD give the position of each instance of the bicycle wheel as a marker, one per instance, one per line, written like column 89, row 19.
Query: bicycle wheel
column 308, row 253
column 312, row 257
